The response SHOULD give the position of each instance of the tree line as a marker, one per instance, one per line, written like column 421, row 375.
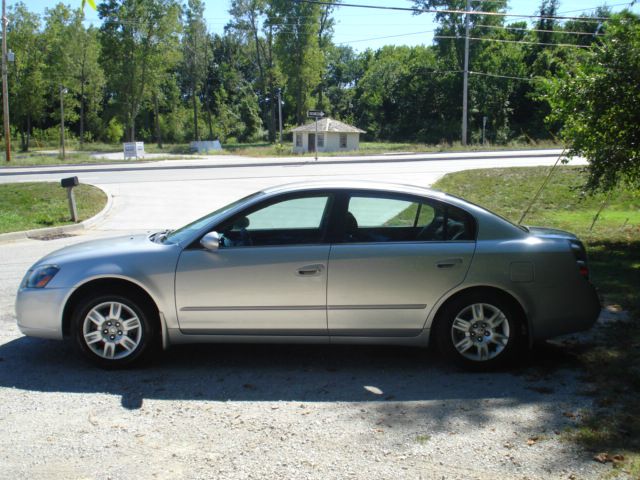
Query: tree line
column 153, row 71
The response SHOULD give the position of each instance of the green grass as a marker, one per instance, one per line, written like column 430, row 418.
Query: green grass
column 373, row 148
column 612, row 362
column 26, row 206
column 562, row 204
column 49, row 156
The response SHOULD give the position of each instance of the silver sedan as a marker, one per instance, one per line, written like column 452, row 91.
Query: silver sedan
column 318, row 263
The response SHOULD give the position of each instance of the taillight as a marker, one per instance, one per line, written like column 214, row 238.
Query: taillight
column 580, row 253
column 584, row 270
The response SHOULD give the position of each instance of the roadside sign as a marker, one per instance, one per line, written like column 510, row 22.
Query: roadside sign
column 134, row 150
column 315, row 114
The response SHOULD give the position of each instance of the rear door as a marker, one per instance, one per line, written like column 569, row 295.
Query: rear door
column 393, row 258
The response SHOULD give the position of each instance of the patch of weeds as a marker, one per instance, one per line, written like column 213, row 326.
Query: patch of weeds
column 423, row 439
column 613, row 427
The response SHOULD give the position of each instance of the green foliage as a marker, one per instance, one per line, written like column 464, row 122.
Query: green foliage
column 138, row 40
column 298, row 51
column 27, row 97
column 596, row 102
column 154, row 66
column 114, row 131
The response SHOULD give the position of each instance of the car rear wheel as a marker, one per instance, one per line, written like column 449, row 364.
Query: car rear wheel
column 479, row 331
column 113, row 330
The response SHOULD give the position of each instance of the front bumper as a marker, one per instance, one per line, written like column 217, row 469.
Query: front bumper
column 39, row 311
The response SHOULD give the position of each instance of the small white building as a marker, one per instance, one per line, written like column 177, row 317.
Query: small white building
column 333, row 136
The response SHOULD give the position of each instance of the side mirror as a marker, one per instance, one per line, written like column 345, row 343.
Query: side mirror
column 211, row 241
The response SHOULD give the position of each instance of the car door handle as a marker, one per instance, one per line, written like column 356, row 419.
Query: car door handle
column 310, row 270
column 448, row 263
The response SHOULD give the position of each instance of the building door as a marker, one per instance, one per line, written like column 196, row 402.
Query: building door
column 311, row 146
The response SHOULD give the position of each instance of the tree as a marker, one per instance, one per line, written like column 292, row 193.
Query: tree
column 88, row 73
column 136, row 36
column 597, row 99
column 298, row 51
column 253, row 20
column 61, row 62
column 27, row 84
column 195, row 45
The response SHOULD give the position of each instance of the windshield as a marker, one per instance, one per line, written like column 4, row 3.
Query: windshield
column 184, row 232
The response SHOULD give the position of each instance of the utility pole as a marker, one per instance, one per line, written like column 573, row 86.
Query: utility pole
column 315, row 149
column 280, row 113
column 5, row 88
column 62, row 92
column 465, row 81
column 484, row 126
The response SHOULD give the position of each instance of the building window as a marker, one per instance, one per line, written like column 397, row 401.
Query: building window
column 343, row 140
column 321, row 140
column 298, row 139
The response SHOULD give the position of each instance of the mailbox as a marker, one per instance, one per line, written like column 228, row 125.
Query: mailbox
column 69, row 182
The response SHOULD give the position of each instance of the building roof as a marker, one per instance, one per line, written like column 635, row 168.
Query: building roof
column 328, row 125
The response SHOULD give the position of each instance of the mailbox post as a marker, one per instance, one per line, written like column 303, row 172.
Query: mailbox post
column 69, row 183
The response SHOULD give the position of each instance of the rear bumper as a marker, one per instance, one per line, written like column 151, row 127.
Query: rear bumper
column 39, row 311
column 569, row 313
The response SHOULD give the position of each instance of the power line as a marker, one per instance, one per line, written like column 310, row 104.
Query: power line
column 538, row 30
column 460, row 12
column 527, row 79
column 596, row 8
column 524, row 42
column 387, row 36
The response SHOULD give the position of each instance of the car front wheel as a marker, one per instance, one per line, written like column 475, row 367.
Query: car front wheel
column 479, row 331
column 113, row 330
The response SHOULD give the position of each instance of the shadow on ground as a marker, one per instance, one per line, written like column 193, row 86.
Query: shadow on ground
column 305, row 373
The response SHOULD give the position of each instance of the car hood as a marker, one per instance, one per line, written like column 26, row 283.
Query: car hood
column 550, row 233
column 107, row 247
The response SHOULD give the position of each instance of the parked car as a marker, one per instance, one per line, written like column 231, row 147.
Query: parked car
column 319, row 263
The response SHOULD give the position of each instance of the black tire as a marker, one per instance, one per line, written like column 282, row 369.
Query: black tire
column 486, row 347
column 130, row 342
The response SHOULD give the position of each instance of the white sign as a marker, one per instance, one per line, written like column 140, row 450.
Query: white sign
column 315, row 113
column 134, row 150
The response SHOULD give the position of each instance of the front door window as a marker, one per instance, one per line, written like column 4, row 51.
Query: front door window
column 294, row 221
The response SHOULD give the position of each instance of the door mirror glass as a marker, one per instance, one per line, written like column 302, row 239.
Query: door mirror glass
column 211, row 241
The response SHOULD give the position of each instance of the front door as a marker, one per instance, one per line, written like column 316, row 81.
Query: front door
column 269, row 277
column 312, row 142
column 396, row 257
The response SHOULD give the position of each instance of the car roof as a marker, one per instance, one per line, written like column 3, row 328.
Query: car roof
column 356, row 185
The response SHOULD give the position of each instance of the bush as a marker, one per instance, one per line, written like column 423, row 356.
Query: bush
column 114, row 131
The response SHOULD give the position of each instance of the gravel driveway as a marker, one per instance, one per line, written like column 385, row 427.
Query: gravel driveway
column 285, row 412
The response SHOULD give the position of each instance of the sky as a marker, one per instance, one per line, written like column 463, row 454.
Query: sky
column 363, row 28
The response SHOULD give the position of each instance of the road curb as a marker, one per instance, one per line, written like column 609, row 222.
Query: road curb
column 50, row 231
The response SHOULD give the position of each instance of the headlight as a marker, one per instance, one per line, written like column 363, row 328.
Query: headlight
column 41, row 276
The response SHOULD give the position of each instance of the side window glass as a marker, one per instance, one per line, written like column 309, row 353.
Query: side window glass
column 384, row 219
column 460, row 225
column 292, row 221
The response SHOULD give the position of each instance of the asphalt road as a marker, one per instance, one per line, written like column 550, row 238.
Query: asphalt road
column 167, row 194
column 288, row 412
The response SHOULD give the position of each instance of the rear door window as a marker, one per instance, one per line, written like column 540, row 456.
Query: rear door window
column 388, row 218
